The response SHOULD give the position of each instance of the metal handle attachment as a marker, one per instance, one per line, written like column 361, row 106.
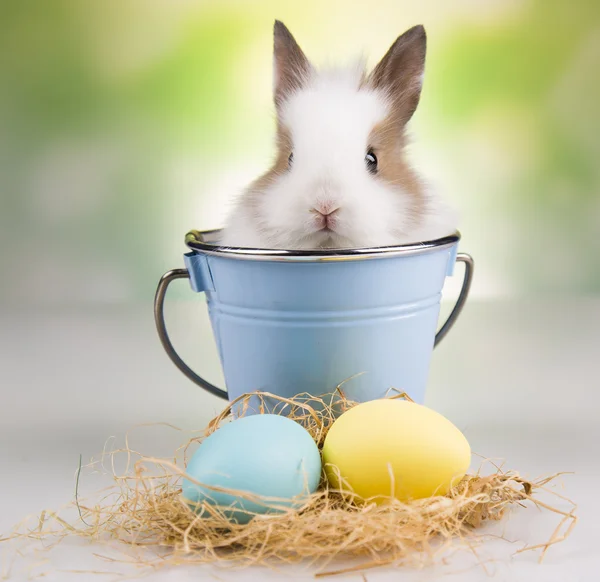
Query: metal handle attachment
column 159, row 318
column 462, row 298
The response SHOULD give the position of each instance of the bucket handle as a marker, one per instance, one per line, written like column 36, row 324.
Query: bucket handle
column 170, row 276
column 462, row 298
column 159, row 318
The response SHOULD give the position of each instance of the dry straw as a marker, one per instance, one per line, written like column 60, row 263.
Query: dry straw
column 144, row 509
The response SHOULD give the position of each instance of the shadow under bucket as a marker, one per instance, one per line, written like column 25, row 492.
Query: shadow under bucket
column 290, row 322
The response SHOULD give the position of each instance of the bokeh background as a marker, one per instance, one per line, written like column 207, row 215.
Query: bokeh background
column 125, row 123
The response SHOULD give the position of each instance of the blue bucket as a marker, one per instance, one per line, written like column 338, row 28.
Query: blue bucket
column 290, row 322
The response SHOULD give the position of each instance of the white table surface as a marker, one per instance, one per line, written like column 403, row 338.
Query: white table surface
column 520, row 379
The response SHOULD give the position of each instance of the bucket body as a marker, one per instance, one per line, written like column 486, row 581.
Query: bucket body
column 296, row 325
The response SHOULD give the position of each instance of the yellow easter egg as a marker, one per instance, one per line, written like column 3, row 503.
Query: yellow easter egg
column 397, row 448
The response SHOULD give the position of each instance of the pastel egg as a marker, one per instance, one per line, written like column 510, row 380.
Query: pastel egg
column 393, row 447
column 264, row 455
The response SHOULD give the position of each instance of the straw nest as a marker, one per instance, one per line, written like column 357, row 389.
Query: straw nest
column 144, row 509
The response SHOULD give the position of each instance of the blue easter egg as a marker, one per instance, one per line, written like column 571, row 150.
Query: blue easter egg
column 264, row 454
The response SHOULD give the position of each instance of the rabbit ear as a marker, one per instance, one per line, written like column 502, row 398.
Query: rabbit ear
column 400, row 72
column 291, row 67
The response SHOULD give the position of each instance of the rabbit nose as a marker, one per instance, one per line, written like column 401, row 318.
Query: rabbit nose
column 325, row 208
column 325, row 216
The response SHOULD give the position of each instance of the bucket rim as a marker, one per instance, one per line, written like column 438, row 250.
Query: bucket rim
column 206, row 242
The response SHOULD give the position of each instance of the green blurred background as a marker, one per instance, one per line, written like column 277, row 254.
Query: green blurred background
column 123, row 124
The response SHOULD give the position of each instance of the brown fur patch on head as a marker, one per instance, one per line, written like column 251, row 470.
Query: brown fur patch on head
column 281, row 163
column 388, row 141
column 255, row 191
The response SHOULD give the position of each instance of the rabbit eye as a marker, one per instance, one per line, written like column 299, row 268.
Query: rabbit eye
column 291, row 160
column 371, row 160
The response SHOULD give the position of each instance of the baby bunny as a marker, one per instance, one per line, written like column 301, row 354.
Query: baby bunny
column 340, row 178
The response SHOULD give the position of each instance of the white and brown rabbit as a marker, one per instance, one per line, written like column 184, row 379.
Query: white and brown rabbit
column 340, row 178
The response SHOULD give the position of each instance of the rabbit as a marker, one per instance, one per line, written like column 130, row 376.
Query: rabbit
column 340, row 179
